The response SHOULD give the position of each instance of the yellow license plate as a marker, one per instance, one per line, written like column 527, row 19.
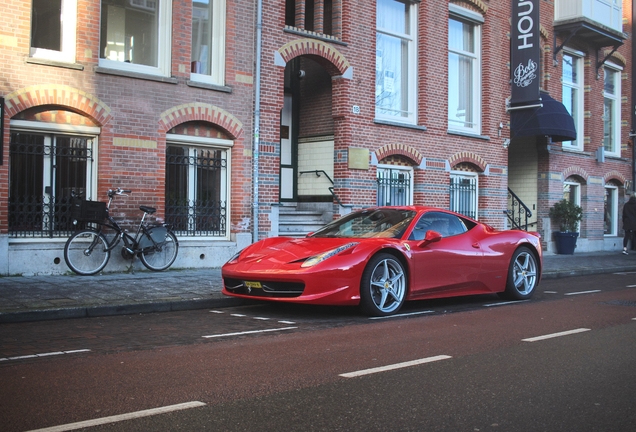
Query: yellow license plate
column 253, row 284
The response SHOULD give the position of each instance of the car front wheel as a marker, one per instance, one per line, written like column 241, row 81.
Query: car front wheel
column 523, row 275
column 383, row 286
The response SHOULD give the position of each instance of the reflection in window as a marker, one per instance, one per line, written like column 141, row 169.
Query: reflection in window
column 610, row 219
column 395, row 60
column 463, row 71
column 53, row 29
column 208, row 41
column 572, row 90
column 611, row 111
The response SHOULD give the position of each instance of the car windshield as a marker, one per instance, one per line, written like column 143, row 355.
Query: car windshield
column 379, row 222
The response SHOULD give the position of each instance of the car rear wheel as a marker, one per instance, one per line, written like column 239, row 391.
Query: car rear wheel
column 383, row 286
column 523, row 275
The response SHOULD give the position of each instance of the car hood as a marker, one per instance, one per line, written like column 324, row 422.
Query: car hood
column 285, row 250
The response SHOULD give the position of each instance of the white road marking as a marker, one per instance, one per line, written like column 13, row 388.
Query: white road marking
column 248, row 332
column 286, row 322
column 262, row 318
column 553, row 335
column 550, row 292
column 582, row 292
column 217, row 312
column 631, row 286
column 394, row 366
column 505, row 303
column 122, row 417
column 402, row 315
column 47, row 354
column 237, row 315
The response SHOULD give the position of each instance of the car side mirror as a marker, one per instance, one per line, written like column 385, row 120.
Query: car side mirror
column 430, row 237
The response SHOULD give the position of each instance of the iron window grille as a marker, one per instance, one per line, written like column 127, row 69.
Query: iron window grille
column 196, row 182
column 394, row 187
column 43, row 171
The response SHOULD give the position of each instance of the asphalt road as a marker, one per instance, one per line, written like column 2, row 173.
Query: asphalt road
column 470, row 364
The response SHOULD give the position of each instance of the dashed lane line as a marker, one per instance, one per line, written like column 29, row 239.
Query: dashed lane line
column 394, row 366
column 46, row 354
column 402, row 315
column 248, row 332
column 554, row 335
column 121, row 417
column 237, row 315
column 582, row 292
column 505, row 303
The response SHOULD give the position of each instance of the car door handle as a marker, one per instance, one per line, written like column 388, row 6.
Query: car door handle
column 476, row 245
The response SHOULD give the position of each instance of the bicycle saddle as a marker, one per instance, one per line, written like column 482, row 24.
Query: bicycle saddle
column 149, row 210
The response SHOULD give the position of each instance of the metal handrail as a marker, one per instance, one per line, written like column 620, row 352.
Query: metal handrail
column 318, row 172
column 518, row 213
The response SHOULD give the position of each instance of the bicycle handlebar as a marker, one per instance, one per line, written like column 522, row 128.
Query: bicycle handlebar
column 118, row 191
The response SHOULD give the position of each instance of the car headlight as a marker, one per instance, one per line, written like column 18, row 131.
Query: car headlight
column 235, row 257
column 316, row 259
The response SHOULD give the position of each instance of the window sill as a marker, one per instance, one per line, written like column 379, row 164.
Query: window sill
column 129, row 74
column 54, row 63
column 398, row 124
column 468, row 134
column 208, row 86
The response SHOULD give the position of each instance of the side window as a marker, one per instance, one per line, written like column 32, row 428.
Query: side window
column 395, row 61
column 208, row 41
column 572, row 91
column 45, row 168
column 446, row 224
column 136, row 35
column 464, row 72
column 197, row 187
column 53, row 25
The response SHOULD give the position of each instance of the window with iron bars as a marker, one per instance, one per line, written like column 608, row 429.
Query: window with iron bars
column 196, row 190
column 44, row 169
column 463, row 194
column 394, row 186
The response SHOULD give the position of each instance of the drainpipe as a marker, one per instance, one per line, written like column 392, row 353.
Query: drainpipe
column 257, row 116
column 633, row 131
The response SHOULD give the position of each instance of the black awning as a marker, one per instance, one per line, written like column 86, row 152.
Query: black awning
column 552, row 120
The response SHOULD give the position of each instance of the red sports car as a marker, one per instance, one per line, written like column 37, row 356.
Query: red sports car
column 381, row 256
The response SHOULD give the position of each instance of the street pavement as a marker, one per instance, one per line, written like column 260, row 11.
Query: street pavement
column 35, row 298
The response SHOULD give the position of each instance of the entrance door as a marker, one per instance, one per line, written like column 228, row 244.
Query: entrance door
column 288, row 163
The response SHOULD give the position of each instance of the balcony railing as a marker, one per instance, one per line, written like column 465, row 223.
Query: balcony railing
column 608, row 13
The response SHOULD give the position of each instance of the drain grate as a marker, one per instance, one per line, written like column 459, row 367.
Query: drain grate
column 622, row 303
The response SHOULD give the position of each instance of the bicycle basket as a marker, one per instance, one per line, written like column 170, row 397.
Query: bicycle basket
column 88, row 211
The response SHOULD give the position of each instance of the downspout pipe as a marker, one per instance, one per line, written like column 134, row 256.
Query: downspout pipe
column 633, row 131
column 257, row 117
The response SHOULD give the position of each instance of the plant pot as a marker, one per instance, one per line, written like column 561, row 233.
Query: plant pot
column 565, row 242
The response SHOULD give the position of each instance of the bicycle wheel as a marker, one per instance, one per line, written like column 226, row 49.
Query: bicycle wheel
column 86, row 252
column 163, row 255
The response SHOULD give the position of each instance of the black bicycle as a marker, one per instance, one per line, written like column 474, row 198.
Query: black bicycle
column 87, row 251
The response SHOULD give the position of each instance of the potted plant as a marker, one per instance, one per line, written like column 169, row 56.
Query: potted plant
column 567, row 215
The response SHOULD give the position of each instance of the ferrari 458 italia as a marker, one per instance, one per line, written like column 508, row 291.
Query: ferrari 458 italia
column 380, row 257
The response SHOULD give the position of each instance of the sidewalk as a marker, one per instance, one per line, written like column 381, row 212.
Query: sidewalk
column 34, row 298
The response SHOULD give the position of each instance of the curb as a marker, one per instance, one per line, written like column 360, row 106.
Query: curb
column 113, row 310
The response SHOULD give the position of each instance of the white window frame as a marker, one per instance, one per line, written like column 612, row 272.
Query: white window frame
column 49, row 129
column 68, row 34
column 407, row 170
column 613, row 211
column 476, row 20
column 615, row 99
column 411, row 69
column 572, row 189
column 579, row 88
column 193, row 143
column 473, row 177
column 217, row 47
column 164, row 47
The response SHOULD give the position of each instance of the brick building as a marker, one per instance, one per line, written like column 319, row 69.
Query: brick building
column 402, row 101
column 354, row 103
column 150, row 95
